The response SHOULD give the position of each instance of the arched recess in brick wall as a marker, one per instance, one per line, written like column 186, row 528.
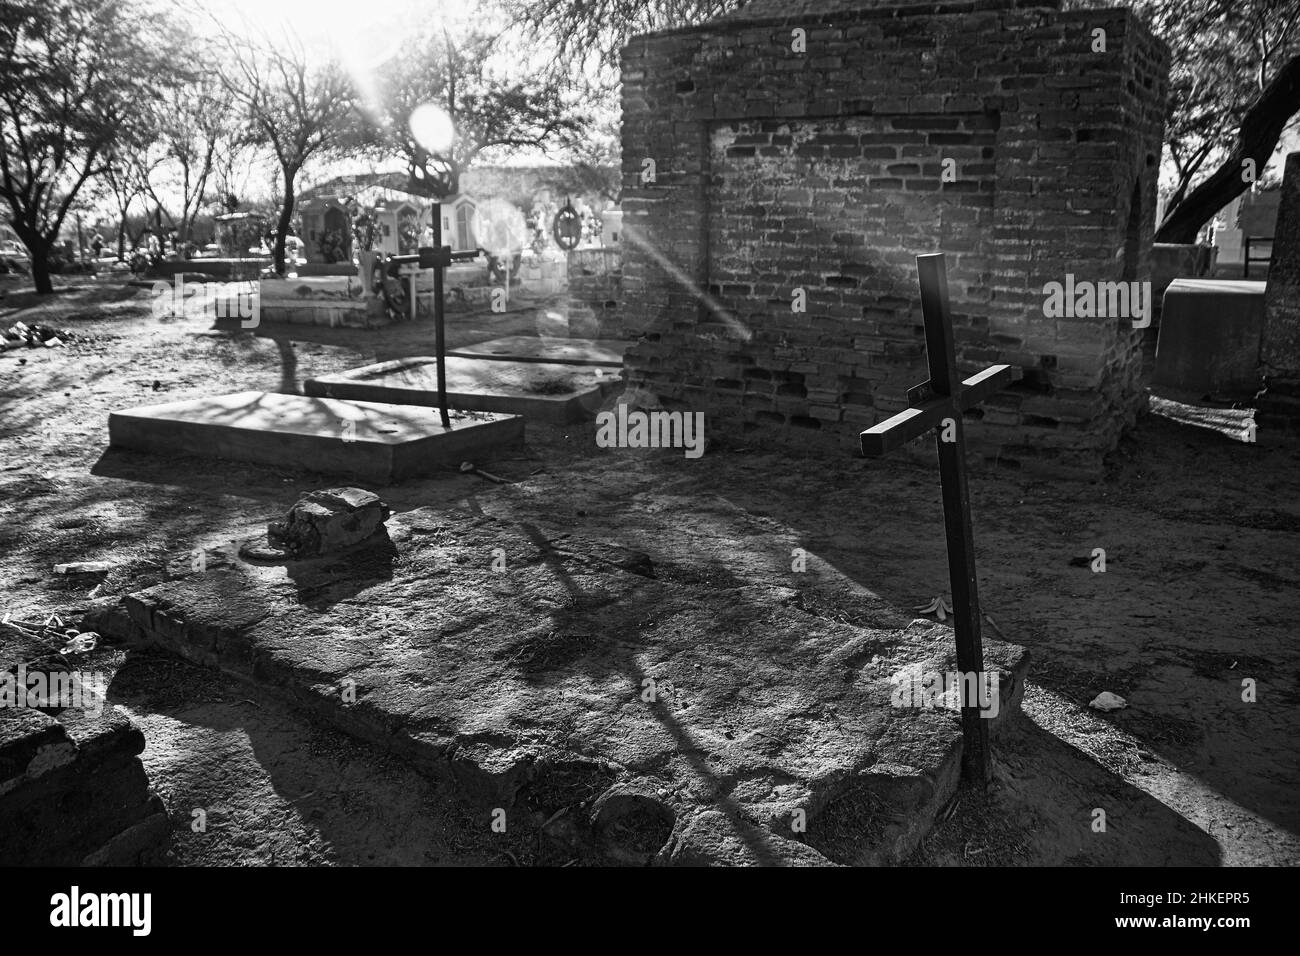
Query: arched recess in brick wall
column 1133, row 233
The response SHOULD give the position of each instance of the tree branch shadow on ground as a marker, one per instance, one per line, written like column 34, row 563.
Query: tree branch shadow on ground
column 909, row 543
column 755, row 837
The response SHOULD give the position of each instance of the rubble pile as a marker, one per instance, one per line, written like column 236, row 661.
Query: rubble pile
column 20, row 335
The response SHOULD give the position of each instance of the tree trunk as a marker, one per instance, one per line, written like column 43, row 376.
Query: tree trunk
column 41, row 269
column 282, row 225
column 1256, row 139
column 38, row 248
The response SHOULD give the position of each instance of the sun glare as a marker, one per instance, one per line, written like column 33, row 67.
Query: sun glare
column 364, row 37
column 432, row 128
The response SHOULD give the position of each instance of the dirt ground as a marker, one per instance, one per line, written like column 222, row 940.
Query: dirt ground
column 1200, row 592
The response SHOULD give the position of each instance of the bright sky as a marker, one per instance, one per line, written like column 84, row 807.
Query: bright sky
column 363, row 32
column 346, row 23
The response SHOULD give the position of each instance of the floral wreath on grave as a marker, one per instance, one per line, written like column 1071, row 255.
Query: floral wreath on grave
column 365, row 233
column 331, row 245
column 365, row 228
column 408, row 234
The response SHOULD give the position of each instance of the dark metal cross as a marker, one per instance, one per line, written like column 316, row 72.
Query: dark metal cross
column 939, row 404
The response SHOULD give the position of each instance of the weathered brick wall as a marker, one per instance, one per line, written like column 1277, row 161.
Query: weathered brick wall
column 794, row 204
column 595, row 278
column 776, row 171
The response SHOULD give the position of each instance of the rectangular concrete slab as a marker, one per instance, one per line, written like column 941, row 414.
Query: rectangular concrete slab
column 368, row 440
column 542, row 390
column 1210, row 335
column 531, row 348
column 531, row 690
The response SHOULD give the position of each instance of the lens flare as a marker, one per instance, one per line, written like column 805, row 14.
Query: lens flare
column 432, row 128
column 500, row 227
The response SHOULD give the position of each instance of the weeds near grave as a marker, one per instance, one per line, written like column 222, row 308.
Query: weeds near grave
column 709, row 576
column 543, row 652
column 552, row 386
column 1098, row 737
column 642, row 834
column 1163, row 729
column 1082, row 685
column 151, row 680
column 850, row 825
column 827, row 609
column 973, row 830
column 557, row 787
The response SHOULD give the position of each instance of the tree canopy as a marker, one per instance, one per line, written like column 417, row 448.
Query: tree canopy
column 73, row 76
column 121, row 99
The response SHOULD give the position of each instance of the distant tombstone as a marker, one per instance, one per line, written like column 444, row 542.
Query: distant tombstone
column 1279, row 352
column 335, row 240
column 1228, row 237
column 611, row 227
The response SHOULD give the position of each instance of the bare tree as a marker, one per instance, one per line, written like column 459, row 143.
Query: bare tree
column 194, row 124
column 232, row 170
column 592, row 32
column 124, row 184
column 487, row 110
column 1234, row 89
column 296, row 109
column 1252, row 147
column 593, row 167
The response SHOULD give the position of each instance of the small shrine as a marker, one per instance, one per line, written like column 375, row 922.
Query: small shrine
column 403, row 219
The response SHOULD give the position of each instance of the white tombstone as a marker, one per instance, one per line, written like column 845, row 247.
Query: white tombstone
column 1227, row 237
column 611, row 227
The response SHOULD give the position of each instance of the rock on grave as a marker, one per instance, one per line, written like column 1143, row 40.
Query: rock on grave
column 328, row 520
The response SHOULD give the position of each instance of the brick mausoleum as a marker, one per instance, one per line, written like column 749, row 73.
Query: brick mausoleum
column 823, row 170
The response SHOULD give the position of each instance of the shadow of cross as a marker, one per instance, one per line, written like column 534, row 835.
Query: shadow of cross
column 939, row 404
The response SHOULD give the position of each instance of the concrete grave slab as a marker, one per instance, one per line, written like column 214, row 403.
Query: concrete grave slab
column 1209, row 335
column 72, row 788
column 542, row 390
column 318, row 300
column 633, row 676
column 528, row 348
column 369, row 440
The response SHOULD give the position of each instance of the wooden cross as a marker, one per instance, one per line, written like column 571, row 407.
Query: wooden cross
column 939, row 404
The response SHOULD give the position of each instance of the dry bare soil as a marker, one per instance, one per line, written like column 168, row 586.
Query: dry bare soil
column 1200, row 594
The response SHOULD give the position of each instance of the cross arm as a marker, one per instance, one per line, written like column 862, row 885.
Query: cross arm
column 929, row 409
column 974, row 390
